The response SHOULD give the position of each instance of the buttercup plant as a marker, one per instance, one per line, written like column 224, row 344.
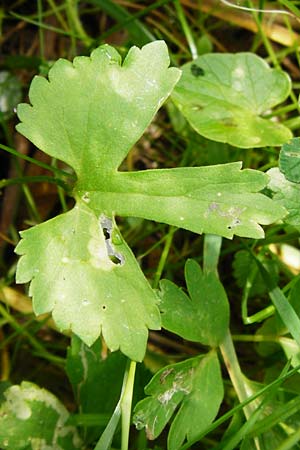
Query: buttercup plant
column 88, row 114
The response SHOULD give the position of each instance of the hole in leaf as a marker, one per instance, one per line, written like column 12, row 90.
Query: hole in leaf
column 197, row 71
column 107, row 228
column 104, row 307
column 106, row 233
column 116, row 259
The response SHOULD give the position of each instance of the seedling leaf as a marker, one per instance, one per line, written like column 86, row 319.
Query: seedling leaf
column 196, row 385
column 224, row 98
column 88, row 282
column 204, row 317
column 31, row 417
column 289, row 160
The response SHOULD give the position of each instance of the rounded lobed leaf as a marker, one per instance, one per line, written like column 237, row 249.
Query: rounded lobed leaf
column 83, row 272
column 92, row 111
column 224, row 98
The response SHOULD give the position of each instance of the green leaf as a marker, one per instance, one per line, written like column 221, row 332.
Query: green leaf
column 31, row 418
column 204, row 317
column 196, row 385
column 289, row 160
column 83, row 271
column 224, row 98
column 220, row 199
column 92, row 111
column 89, row 114
column 286, row 194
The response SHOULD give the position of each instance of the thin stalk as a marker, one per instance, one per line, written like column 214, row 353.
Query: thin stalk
column 34, row 342
column 126, row 403
column 211, row 252
column 163, row 257
column 43, row 25
column 14, row 152
column 123, row 408
column 35, row 179
column 26, row 191
column 72, row 8
column 235, row 373
column 56, row 11
column 186, row 29
column 41, row 32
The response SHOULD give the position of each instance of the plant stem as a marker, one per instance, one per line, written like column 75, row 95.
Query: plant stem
column 186, row 30
column 14, row 152
column 126, row 403
column 235, row 373
column 163, row 258
column 211, row 252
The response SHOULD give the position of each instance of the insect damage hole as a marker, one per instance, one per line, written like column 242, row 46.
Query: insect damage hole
column 107, row 228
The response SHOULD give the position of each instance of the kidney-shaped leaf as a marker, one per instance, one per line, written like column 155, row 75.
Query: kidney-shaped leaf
column 33, row 418
column 83, row 271
column 224, row 98
column 196, row 385
column 204, row 317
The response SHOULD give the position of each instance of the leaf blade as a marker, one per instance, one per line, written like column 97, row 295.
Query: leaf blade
column 223, row 96
column 68, row 261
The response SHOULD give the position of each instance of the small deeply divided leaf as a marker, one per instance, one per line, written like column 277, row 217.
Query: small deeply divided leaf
column 204, row 317
column 224, row 98
column 33, row 418
column 83, row 271
column 196, row 385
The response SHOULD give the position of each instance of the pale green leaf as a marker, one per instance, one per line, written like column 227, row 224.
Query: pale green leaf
column 204, row 317
column 83, row 271
column 286, row 194
column 289, row 160
column 225, row 96
column 195, row 385
column 92, row 111
column 33, row 418
column 219, row 199
column 89, row 114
